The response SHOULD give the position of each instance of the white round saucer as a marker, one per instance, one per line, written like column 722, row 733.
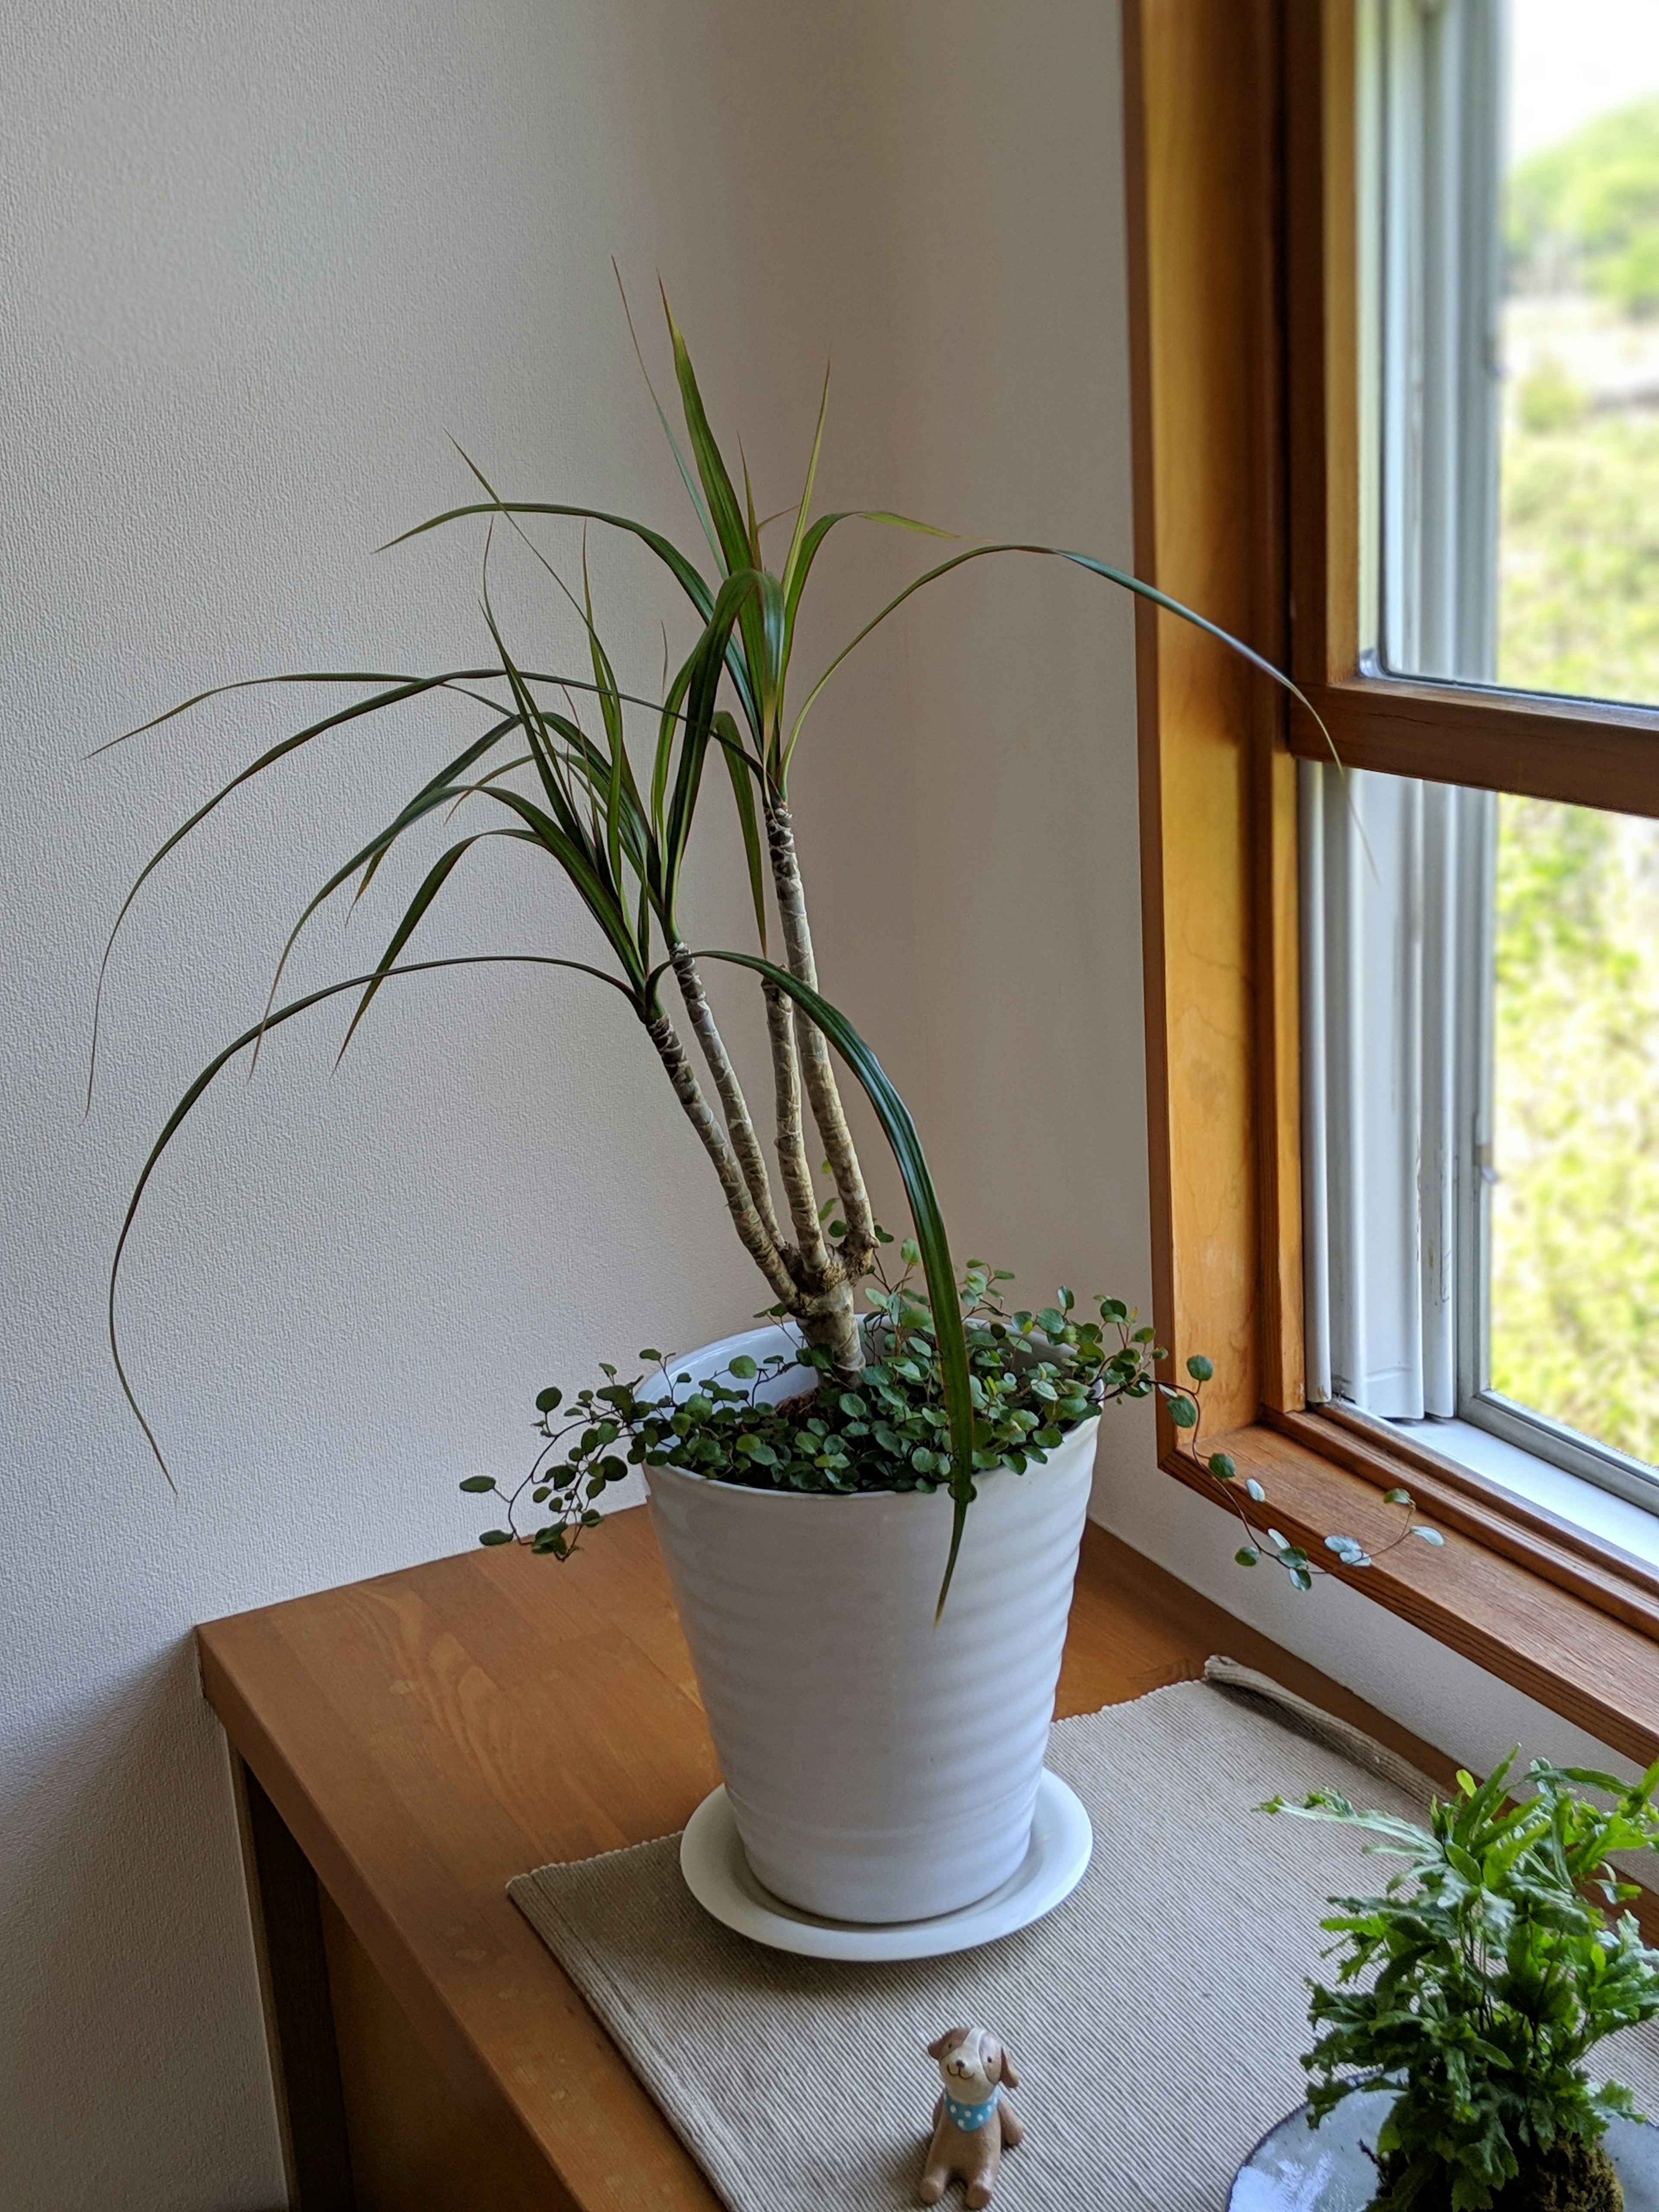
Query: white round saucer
column 717, row 1874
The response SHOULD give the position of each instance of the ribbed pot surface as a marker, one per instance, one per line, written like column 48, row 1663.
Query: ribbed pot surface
column 879, row 1768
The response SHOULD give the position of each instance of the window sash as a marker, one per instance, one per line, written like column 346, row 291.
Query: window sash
column 1397, row 902
column 1397, row 876
column 1238, row 125
column 1431, row 195
column 1389, row 1080
column 1584, row 752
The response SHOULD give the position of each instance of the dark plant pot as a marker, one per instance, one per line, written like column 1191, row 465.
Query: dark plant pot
column 1297, row 2168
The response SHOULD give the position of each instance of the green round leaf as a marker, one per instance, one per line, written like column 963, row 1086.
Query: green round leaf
column 548, row 1399
column 479, row 1483
column 1221, row 1466
column 743, row 1367
column 495, row 1536
column 1246, row 1555
column 1183, row 1412
column 1201, row 1369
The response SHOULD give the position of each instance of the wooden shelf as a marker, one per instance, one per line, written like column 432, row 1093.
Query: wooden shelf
column 414, row 1740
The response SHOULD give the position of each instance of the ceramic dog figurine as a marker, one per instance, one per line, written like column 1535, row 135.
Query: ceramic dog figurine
column 973, row 2122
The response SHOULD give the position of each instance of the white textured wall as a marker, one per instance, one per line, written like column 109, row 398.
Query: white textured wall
column 259, row 262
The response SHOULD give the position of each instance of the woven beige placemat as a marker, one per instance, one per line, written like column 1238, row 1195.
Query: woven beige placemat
column 1155, row 2018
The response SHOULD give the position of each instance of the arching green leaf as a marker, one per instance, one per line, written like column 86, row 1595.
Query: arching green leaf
column 221, row 1060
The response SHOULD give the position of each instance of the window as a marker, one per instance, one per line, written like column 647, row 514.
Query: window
column 1514, row 202
column 1257, row 456
column 1480, row 956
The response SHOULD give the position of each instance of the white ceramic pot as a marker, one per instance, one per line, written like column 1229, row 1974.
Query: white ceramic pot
column 879, row 1768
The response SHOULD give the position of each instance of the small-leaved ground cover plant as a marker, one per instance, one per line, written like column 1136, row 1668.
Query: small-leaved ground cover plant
column 1479, row 1981
column 1035, row 1376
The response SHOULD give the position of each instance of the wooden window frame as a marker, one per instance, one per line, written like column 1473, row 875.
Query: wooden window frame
column 1239, row 139
column 1586, row 753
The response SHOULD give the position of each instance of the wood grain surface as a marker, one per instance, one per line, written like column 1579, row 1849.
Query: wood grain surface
column 1532, row 1610
column 1204, row 355
column 427, row 1735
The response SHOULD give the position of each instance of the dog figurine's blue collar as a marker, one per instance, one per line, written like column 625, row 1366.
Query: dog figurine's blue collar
column 970, row 2118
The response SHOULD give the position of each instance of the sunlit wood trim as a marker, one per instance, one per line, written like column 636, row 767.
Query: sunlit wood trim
column 1614, row 1582
column 1516, row 1616
column 1217, row 842
column 1572, row 751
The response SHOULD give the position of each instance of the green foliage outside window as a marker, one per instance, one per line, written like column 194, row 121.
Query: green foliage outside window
column 1574, row 1256
column 1579, row 581
column 1575, row 1286
column 1586, row 212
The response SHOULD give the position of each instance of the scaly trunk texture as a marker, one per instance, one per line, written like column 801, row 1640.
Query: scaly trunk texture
column 813, row 1287
column 794, row 1163
column 813, row 1277
column 833, row 1323
column 826, row 1314
column 857, row 1247
column 751, row 1231
column 740, row 1126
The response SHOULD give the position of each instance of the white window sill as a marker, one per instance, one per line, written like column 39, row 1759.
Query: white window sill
column 1598, row 1512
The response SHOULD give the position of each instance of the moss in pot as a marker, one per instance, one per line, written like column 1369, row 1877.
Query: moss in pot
column 1476, row 1984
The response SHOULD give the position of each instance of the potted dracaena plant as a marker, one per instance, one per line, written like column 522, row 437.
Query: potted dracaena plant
column 1471, row 1992
column 811, row 1480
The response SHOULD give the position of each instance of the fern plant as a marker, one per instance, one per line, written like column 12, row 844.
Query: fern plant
column 559, row 768
column 1476, row 1984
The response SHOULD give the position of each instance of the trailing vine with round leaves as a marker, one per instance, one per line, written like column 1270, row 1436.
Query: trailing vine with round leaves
column 1242, row 1492
column 1036, row 1376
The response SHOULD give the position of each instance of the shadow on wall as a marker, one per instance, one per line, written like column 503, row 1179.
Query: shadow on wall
column 132, row 1794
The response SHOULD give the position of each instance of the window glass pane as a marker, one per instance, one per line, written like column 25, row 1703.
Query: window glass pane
column 1578, row 535
column 1574, row 1312
column 1518, row 443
